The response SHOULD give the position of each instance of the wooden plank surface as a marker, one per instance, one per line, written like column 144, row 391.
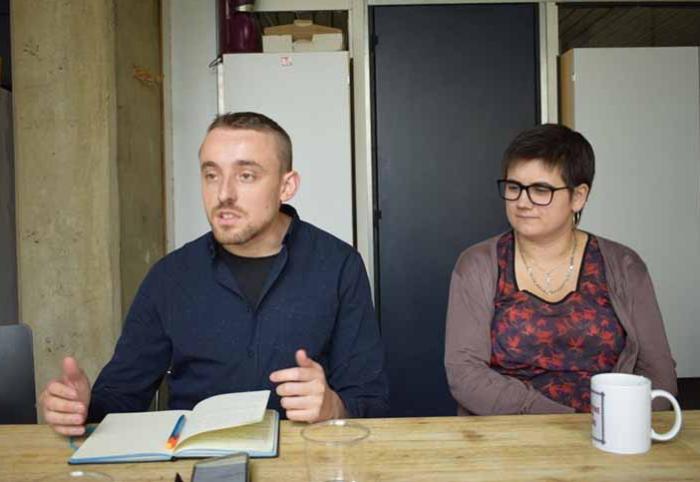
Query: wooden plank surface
column 510, row 448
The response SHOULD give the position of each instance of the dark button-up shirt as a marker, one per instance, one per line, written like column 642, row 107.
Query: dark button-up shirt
column 191, row 317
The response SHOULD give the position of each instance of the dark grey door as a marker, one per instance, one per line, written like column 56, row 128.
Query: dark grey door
column 452, row 84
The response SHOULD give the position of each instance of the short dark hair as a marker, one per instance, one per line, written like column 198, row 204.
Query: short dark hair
column 558, row 147
column 258, row 122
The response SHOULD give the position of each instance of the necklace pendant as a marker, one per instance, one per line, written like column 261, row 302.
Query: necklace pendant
column 547, row 281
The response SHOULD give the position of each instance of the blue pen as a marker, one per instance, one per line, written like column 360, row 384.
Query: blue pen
column 175, row 436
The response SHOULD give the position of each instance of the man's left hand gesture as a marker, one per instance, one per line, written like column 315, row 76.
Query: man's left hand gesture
column 304, row 392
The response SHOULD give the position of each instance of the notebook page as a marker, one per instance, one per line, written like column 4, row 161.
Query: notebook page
column 226, row 411
column 257, row 437
column 129, row 434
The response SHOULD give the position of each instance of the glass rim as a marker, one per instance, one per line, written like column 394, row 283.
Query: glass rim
column 77, row 474
column 362, row 432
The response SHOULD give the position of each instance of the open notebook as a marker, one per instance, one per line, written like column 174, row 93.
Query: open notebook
column 219, row 425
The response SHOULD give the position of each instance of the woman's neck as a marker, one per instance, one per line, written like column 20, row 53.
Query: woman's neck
column 549, row 249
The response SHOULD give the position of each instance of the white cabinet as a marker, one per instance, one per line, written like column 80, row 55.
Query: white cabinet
column 308, row 94
column 640, row 109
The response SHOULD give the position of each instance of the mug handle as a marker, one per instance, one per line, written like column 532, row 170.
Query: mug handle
column 676, row 408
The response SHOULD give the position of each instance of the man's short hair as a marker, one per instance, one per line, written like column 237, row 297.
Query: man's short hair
column 260, row 123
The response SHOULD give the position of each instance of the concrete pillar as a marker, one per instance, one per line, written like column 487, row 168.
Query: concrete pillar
column 139, row 141
column 66, row 180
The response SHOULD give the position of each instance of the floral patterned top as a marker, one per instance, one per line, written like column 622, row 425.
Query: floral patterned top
column 556, row 347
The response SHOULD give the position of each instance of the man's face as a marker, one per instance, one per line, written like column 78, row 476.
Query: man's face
column 242, row 184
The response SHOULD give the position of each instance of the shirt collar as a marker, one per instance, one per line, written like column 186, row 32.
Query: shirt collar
column 213, row 245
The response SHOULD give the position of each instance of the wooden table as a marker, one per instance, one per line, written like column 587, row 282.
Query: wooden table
column 531, row 447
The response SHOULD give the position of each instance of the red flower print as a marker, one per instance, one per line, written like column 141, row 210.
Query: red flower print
column 513, row 343
column 591, row 269
column 557, row 361
column 561, row 327
column 520, row 297
column 544, row 337
column 512, row 315
column 589, row 287
column 567, row 389
column 576, row 343
column 608, row 338
column 527, row 313
column 601, row 360
column 555, row 347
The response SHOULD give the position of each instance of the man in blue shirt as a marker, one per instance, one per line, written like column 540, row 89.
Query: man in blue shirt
column 263, row 301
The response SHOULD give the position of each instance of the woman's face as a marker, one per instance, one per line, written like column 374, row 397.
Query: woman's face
column 533, row 221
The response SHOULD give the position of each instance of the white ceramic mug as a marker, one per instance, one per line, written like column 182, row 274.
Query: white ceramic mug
column 621, row 412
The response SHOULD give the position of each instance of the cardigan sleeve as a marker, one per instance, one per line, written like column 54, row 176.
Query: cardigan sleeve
column 654, row 360
column 474, row 385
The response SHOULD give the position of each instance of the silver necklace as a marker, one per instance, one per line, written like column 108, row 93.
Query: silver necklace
column 548, row 274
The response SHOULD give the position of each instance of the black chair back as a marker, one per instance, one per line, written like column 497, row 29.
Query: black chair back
column 17, row 396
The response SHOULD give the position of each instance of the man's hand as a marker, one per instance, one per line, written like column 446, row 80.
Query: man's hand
column 304, row 393
column 65, row 401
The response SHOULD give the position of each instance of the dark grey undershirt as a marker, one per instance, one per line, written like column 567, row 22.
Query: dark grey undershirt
column 250, row 273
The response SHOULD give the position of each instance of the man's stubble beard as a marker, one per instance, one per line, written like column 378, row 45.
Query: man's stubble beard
column 242, row 236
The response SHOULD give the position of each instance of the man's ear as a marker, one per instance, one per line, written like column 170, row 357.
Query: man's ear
column 290, row 184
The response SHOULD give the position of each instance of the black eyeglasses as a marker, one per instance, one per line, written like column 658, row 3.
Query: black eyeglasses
column 538, row 193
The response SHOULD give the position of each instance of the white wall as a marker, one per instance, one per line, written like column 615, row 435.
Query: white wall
column 193, row 106
column 8, row 253
column 640, row 109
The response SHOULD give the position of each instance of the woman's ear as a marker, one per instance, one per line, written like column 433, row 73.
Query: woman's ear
column 579, row 197
column 290, row 184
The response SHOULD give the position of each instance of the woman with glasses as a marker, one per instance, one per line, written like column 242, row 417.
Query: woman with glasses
column 534, row 313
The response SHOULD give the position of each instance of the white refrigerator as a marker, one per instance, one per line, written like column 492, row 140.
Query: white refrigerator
column 308, row 94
